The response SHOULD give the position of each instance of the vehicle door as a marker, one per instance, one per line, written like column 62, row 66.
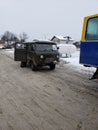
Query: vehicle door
column 20, row 52
column 31, row 52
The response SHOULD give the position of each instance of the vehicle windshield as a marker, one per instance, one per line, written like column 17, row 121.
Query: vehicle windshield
column 92, row 29
column 46, row 47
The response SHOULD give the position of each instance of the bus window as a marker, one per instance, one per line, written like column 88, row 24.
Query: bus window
column 92, row 29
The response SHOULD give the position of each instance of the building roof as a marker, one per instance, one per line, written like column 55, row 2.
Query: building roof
column 61, row 37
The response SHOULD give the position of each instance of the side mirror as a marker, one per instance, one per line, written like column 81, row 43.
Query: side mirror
column 58, row 48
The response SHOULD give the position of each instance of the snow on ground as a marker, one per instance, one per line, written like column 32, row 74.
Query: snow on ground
column 9, row 50
column 73, row 61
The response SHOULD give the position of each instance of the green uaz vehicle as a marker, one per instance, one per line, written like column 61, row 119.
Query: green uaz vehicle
column 37, row 53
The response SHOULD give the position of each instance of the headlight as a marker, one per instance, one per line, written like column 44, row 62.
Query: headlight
column 57, row 56
column 41, row 56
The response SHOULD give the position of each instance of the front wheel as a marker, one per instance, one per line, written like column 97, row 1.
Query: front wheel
column 33, row 67
column 52, row 66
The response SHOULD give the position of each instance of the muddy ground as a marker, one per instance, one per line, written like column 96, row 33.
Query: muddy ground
column 63, row 99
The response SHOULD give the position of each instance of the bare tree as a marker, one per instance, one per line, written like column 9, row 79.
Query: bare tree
column 23, row 37
column 9, row 37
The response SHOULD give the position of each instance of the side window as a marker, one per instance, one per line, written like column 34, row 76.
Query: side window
column 54, row 47
column 92, row 29
column 31, row 47
column 20, row 46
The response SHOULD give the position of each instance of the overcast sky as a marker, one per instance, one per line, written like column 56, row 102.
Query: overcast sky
column 45, row 18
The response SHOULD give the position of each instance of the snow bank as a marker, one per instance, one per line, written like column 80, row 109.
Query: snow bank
column 73, row 62
column 66, row 50
column 9, row 50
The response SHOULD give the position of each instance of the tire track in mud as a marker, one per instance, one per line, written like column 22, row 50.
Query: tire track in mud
column 47, row 99
column 83, row 86
column 12, row 101
column 86, row 90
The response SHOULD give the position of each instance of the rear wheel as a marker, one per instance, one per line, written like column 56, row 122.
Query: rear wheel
column 52, row 66
column 23, row 64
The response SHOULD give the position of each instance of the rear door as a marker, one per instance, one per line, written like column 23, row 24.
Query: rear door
column 20, row 52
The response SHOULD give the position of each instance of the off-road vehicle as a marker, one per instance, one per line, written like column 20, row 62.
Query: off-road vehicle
column 37, row 53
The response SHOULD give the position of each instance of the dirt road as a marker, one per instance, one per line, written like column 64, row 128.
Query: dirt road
column 63, row 99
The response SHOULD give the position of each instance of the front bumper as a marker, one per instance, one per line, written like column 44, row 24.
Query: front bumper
column 47, row 61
